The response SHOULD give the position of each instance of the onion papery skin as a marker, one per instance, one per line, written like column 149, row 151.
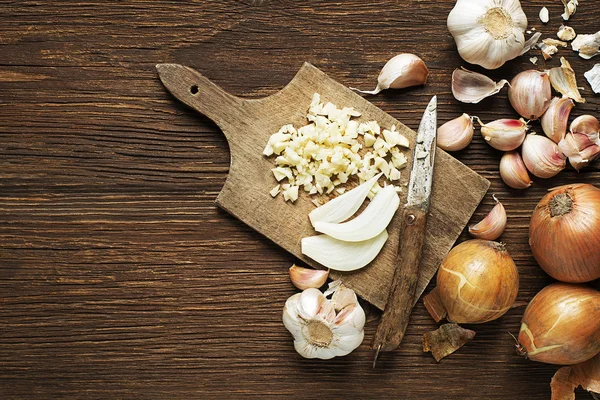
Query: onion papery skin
column 567, row 246
column 478, row 282
column 561, row 325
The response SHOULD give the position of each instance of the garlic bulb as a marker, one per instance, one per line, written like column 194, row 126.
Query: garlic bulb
column 472, row 87
column 455, row 134
column 530, row 93
column 593, row 78
column 555, row 119
column 542, row 156
column 399, row 72
column 504, row 134
column 321, row 331
column 488, row 32
column 513, row 171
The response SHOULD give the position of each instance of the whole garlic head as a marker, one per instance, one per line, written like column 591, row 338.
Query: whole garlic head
column 488, row 32
column 324, row 328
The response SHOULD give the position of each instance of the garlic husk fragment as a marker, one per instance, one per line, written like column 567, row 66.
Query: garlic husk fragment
column 555, row 119
column 544, row 15
column 488, row 32
column 305, row 278
column 318, row 330
column 563, row 81
column 504, row 134
column 492, row 226
column 472, row 87
column 547, row 50
column 455, row 134
column 587, row 45
column 340, row 255
column 401, row 71
column 582, row 144
column 513, row 171
column 532, row 41
column 530, row 93
column 593, row 78
column 370, row 223
column 566, row 33
column 570, row 8
column 542, row 157
column 343, row 207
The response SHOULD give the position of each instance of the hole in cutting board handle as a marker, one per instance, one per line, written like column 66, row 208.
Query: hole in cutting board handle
column 194, row 89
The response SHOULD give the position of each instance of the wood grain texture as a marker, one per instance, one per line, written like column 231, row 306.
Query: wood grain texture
column 248, row 124
column 121, row 278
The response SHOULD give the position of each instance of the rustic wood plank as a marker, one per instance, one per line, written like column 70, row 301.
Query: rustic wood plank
column 119, row 276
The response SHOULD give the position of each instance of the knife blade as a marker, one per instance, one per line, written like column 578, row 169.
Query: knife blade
column 394, row 319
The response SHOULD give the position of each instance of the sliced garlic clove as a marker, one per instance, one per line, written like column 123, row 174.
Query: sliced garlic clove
column 504, row 134
column 593, row 78
column 555, row 119
column 492, row 226
column 455, row 134
column 370, row 223
column 304, row 278
column 566, row 33
column 340, row 255
column 472, row 87
column 544, row 15
column 343, row 207
column 542, row 157
column 563, row 80
column 401, row 71
column 587, row 45
column 532, row 41
column 530, row 93
column 513, row 171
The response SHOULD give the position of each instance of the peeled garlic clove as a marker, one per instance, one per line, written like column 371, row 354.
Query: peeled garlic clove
column 492, row 226
column 585, row 124
column 566, row 33
column 563, row 80
column 544, row 16
column 504, row 134
column 304, row 278
column 455, row 134
column 472, row 87
column 555, row 119
column 593, row 78
column 401, row 71
column 542, row 156
column 513, row 171
column 530, row 93
column 587, row 45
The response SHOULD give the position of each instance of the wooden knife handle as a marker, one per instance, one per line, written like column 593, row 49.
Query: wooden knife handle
column 394, row 320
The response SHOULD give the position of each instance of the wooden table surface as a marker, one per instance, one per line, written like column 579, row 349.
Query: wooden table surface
column 120, row 278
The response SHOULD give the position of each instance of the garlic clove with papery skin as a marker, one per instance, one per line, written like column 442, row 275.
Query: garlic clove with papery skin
column 585, row 124
column 504, row 134
column 542, row 157
column 530, row 93
column 472, row 87
column 488, row 32
column 401, row 71
column 582, row 144
column 318, row 330
column 305, row 278
column 513, row 171
column 555, row 119
column 492, row 226
column 455, row 134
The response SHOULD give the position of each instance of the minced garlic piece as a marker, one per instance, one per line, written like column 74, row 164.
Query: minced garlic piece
column 326, row 152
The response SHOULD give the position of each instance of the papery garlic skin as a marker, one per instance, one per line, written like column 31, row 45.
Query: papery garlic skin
column 401, row 71
column 513, row 171
column 563, row 80
column 318, row 330
column 593, row 78
column 587, row 45
column 492, row 226
column 504, row 134
column 488, row 32
column 472, row 87
column 305, row 278
column 455, row 134
column 530, row 93
column 566, row 33
column 542, row 157
column 555, row 119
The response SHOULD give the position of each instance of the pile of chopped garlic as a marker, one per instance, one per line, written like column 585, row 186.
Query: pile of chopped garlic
column 326, row 152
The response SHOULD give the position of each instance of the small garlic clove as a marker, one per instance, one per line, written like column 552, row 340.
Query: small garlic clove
column 555, row 119
column 593, row 78
column 513, row 171
column 563, row 80
column 585, row 124
column 472, row 87
column 542, row 156
column 401, row 71
column 544, row 15
column 455, row 134
column 504, row 134
column 304, row 278
column 530, row 93
column 532, row 41
column 492, row 226
column 566, row 33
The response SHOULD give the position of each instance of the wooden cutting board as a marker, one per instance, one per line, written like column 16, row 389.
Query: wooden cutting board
column 248, row 124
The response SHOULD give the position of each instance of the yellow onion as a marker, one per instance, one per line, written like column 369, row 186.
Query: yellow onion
column 477, row 282
column 561, row 325
column 564, row 233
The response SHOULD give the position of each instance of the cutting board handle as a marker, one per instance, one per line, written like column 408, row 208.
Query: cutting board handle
column 198, row 92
